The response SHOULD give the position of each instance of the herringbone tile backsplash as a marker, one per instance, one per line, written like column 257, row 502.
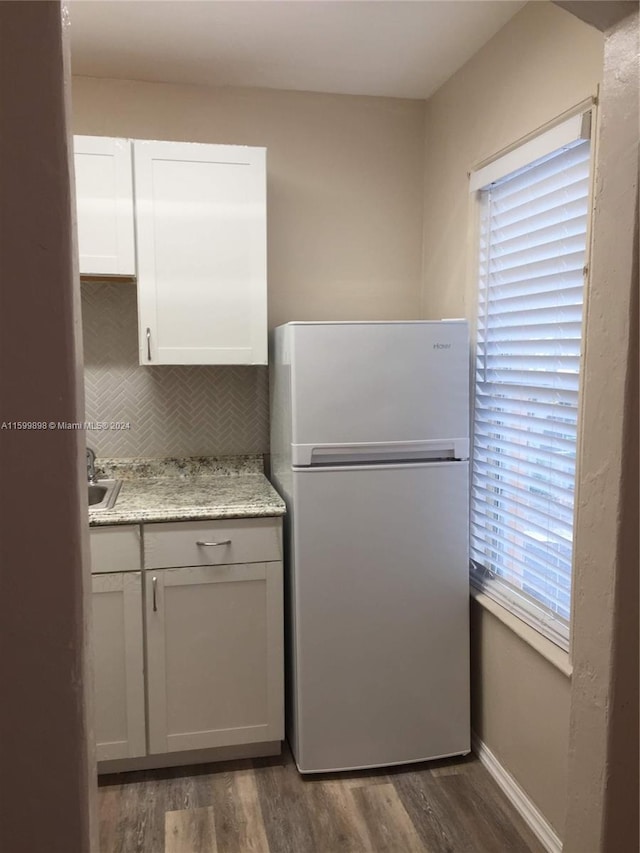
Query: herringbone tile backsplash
column 173, row 411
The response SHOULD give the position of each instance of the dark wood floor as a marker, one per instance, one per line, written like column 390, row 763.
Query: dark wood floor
column 265, row 806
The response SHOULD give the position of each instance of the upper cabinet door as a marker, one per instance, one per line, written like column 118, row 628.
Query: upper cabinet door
column 104, row 197
column 201, row 239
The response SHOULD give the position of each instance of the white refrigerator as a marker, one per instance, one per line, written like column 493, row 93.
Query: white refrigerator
column 369, row 449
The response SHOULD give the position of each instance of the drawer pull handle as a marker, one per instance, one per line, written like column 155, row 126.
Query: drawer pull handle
column 210, row 544
column 155, row 602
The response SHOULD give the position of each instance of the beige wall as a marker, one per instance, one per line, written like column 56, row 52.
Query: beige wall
column 344, row 184
column 47, row 778
column 540, row 64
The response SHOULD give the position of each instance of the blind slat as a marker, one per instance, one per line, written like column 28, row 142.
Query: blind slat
column 534, row 231
column 554, row 474
column 533, row 380
column 539, row 498
column 523, row 553
column 510, row 313
column 508, row 503
column 516, row 542
column 521, row 347
column 567, row 263
column 534, row 538
column 536, row 326
column 529, row 457
column 541, row 186
column 559, row 245
column 553, row 166
column 529, row 564
column 521, row 420
column 543, row 284
column 566, row 398
column 559, row 487
column 525, row 439
column 542, row 332
column 547, row 508
column 526, row 571
column 532, row 363
column 558, row 201
column 522, row 426
column 547, row 412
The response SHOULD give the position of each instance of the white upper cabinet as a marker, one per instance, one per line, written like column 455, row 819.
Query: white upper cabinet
column 104, row 197
column 201, row 244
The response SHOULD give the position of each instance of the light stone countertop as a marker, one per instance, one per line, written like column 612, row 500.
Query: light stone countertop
column 187, row 490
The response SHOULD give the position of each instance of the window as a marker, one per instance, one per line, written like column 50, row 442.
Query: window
column 532, row 255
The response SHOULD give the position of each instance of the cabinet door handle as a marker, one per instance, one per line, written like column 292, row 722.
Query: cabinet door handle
column 209, row 544
column 148, row 344
column 155, row 601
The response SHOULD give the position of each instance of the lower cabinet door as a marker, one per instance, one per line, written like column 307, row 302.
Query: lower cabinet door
column 214, row 656
column 118, row 665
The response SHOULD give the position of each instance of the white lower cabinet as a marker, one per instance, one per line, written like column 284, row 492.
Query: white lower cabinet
column 214, row 656
column 118, row 665
column 202, row 644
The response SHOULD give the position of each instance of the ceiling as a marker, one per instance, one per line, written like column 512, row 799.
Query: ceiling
column 353, row 47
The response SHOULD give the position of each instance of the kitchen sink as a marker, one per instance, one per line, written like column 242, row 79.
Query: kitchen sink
column 104, row 493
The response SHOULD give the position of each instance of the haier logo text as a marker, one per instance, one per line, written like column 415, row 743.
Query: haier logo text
column 442, row 346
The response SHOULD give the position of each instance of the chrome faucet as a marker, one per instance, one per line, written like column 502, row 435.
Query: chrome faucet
column 91, row 465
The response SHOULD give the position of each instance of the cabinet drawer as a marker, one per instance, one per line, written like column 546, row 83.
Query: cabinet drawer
column 115, row 549
column 246, row 540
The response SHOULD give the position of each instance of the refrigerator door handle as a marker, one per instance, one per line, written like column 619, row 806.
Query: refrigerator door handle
column 317, row 454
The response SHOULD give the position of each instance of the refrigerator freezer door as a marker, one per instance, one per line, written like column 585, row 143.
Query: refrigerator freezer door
column 380, row 597
column 374, row 383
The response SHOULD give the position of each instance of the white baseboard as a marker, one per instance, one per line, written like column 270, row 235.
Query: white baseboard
column 532, row 816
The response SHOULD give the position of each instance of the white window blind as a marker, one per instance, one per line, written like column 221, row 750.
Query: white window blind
column 532, row 257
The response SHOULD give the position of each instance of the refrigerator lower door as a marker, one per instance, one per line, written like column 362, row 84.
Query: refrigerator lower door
column 379, row 603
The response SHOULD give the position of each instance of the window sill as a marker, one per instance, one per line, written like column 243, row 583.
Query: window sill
column 549, row 651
